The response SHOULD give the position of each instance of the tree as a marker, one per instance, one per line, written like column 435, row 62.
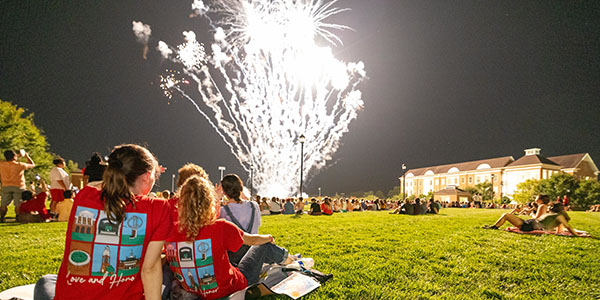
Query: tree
column 486, row 190
column 379, row 194
column 471, row 190
column 18, row 131
column 527, row 190
column 394, row 193
column 559, row 185
column 586, row 194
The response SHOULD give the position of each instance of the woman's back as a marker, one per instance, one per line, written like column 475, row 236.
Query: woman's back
column 201, row 265
column 243, row 211
column 103, row 259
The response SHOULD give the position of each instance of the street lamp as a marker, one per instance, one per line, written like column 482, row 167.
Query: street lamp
column 302, row 139
column 319, row 192
column 173, row 183
column 403, row 182
column 221, row 168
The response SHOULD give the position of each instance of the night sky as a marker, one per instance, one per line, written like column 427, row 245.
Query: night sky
column 449, row 81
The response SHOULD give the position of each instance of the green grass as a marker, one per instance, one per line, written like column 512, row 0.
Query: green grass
column 375, row 255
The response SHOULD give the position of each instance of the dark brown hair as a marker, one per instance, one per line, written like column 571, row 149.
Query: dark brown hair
column 125, row 164
column 545, row 199
column 232, row 186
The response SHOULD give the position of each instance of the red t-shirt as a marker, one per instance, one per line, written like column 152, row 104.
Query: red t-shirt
column 38, row 203
column 103, row 260
column 326, row 209
column 202, row 266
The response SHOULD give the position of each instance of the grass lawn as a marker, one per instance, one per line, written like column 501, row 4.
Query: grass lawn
column 375, row 255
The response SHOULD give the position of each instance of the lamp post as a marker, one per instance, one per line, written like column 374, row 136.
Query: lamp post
column 319, row 192
column 302, row 139
column 403, row 182
column 173, row 183
column 221, row 168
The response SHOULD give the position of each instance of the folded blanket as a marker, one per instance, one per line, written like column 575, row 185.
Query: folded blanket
column 540, row 232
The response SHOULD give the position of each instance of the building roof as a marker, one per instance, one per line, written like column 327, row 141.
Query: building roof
column 568, row 161
column 532, row 160
column 498, row 162
column 452, row 191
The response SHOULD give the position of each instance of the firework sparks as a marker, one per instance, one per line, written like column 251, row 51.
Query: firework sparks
column 278, row 84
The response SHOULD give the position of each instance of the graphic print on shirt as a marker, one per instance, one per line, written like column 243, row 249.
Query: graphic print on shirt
column 171, row 252
column 107, row 232
column 134, row 229
column 84, row 225
column 185, row 251
column 105, row 260
column 203, row 253
column 208, row 281
column 129, row 260
column 191, row 279
column 80, row 258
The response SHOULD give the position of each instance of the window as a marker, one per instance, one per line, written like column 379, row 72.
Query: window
column 443, row 181
column 470, row 179
column 462, row 180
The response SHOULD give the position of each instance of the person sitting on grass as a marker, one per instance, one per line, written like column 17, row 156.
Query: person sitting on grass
column 288, row 207
column 36, row 203
column 315, row 208
column 433, row 208
column 245, row 214
column 112, row 204
column 299, row 206
column 326, row 207
column 556, row 218
column 197, row 230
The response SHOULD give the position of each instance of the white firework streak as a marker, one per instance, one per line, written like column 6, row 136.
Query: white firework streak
column 277, row 84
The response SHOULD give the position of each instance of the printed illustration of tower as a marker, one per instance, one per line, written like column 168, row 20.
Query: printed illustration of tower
column 105, row 260
column 194, row 286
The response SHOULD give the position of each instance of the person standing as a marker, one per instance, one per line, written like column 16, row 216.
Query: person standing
column 12, row 177
column 59, row 183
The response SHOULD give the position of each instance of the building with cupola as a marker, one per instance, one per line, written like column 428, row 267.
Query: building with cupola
column 505, row 173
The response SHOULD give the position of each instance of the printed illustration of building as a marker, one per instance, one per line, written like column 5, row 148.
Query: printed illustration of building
column 505, row 173
column 130, row 262
column 84, row 222
column 105, row 227
column 207, row 279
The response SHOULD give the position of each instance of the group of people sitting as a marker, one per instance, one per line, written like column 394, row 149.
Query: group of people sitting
column 594, row 208
column 417, row 207
column 117, row 234
column 544, row 216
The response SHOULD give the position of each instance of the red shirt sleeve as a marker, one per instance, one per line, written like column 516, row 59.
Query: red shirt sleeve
column 162, row 220
column 233, row 237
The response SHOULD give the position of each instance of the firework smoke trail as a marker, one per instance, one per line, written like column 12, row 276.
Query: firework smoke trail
column 278, row 85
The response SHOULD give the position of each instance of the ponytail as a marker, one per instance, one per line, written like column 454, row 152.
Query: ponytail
column 196, row 206
column 125, row 164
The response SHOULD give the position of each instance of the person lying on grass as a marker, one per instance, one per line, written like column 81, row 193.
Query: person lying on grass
column 200, row 242
column 557, row 219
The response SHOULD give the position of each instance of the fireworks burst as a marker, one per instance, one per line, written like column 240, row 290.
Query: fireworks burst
column 278, row 84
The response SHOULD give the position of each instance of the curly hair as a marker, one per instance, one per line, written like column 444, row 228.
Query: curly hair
column 196, row 205
column 188, row 170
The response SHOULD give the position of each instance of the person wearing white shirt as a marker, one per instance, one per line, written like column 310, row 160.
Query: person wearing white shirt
column 59, row 183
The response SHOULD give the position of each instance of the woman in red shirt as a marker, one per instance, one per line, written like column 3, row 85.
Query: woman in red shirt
column 115, row 235
column 197, row 249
